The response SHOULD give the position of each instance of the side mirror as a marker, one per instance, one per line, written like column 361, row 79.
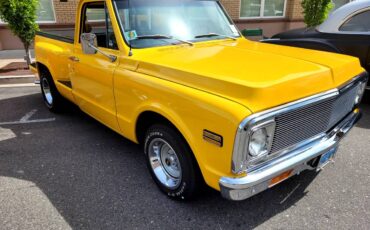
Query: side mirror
column 88, row 43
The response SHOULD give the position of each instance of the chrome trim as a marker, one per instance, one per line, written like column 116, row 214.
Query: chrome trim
column 287, row 107
column 242, row 136
column 47, row 92
column 213, row 138
column 239, row 158
column 259, row 180
column 164, row 163
column 252, row 131
column 361, row 77
column 285, row 151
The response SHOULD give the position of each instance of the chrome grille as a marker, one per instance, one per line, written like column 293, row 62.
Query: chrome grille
column 307, row 122
column 343, row 105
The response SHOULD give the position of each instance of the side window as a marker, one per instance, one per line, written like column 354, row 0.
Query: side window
column 358, row 23
column 95, row 19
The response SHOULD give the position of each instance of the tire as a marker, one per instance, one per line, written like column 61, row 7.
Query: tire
column 52, row 98
column 366, row 97
column 171, row 163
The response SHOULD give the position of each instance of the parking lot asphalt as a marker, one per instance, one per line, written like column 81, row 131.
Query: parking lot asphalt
column 68, row 171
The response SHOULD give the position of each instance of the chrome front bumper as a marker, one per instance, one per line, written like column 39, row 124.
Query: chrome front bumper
column 296, row 160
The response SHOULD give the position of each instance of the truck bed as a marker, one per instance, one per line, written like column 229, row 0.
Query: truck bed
column 65, row 35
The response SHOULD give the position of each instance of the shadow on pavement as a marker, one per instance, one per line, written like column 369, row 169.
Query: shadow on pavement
column 96, row 179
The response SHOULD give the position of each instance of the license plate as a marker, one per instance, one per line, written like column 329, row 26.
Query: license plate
column 326, row 158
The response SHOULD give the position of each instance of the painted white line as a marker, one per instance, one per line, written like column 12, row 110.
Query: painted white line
column 19, row 85
column 6, row 134
column 25, row 119
column 27, row 122
column 28, row 115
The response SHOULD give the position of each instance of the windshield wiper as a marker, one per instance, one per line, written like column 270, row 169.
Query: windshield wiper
column 214, row 35
column 160, row 36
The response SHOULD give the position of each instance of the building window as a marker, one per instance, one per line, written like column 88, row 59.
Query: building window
column 45, row 11
column 262, row 8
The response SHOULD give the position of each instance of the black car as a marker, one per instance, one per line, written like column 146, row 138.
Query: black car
column 346, row 31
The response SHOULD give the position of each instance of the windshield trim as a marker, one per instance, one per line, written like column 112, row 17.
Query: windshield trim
column 121, row 29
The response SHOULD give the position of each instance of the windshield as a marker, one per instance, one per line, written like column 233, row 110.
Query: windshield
column 162, row 22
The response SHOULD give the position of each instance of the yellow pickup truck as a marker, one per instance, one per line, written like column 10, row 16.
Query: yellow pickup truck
column 207, row 105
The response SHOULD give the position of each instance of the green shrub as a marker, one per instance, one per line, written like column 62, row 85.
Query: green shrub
column 21, row 18
column 316, row 11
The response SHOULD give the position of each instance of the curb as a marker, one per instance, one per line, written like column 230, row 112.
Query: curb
column 17, row 79
column 19, row 85
column 17, row 76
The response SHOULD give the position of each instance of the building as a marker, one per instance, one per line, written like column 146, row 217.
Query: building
column 52, row 14
column 273, row 16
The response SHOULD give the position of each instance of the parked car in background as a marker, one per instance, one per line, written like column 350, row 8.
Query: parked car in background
column 346, row 31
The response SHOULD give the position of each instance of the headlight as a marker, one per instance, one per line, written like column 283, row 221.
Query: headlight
column 252, row 144
column 360, row 92
column 260, row 141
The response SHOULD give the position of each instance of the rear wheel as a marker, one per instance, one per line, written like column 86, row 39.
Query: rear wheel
column 171, row 163
column 52, row 99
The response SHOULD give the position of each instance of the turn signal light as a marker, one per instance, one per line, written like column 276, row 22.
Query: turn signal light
column 280, row 178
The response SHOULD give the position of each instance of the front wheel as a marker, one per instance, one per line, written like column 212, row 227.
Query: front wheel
column 171, row 163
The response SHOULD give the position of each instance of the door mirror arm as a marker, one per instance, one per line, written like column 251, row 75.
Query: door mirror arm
column 111, row 57
column 89, row 46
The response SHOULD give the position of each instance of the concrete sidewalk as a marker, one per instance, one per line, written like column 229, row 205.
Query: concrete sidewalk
column 9, row 56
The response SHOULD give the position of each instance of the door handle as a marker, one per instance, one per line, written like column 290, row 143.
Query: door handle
column 74, row 58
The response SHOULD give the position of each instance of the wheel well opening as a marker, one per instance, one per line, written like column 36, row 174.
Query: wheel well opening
column 42, row 68
column 148, row 119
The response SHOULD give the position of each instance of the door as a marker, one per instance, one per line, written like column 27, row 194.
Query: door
column 93, row 73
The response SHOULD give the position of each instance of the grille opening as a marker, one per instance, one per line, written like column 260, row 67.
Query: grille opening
column 309, row 121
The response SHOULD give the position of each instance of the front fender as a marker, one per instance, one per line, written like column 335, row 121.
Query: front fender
column 190, row 110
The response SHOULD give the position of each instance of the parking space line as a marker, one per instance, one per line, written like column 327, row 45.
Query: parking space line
column 25, row 119
column 28, row 115
column 27, row 122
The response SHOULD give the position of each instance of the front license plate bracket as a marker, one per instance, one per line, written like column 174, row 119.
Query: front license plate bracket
column 326, row 158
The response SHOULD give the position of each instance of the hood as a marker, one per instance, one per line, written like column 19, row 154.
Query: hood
column 256, row 75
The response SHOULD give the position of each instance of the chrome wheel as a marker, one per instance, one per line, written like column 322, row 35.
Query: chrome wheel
column 46, row 91
column 165, row 163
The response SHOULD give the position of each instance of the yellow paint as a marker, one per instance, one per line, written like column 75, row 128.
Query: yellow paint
column 212, row 85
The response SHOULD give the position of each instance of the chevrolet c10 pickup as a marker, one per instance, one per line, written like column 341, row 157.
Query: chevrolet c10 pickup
column 207, row 105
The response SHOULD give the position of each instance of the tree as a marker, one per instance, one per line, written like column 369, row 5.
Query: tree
column 316, row 11
column 21, row 18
